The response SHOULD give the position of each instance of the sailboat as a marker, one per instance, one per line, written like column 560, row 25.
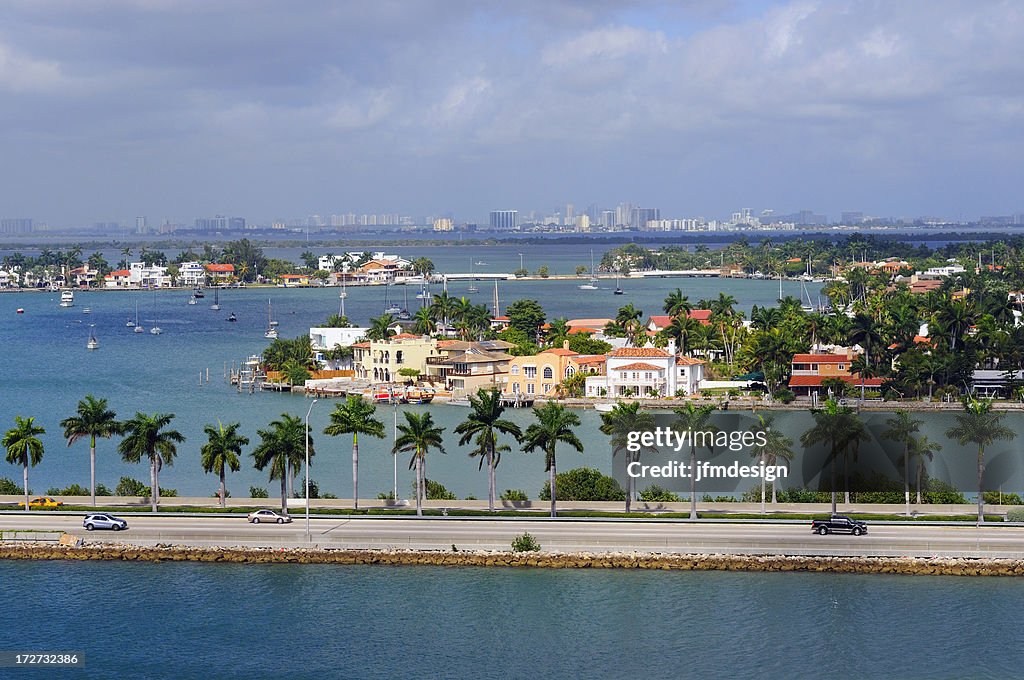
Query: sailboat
column 93, row 343
column 138, row 328
column 271, row 324
column 618, row 289
column 472, row 284
column 390, row 308
column 216, row 300
column 592, row 285
column 805, row 297
column 192, row 300
column 403, row 314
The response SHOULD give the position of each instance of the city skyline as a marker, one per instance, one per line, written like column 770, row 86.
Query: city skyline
column 180, row 110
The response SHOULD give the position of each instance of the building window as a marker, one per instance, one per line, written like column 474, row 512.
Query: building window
column 398, row 357
column 530, row 371
column 647, row 375
column 515, row 369
column 547, row 387
column 548, row 373
column 636, row 375
column 529, row 388
column 569, row 371
column 515, row 388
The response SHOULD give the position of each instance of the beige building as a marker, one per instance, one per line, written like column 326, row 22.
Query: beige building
column 465, row 367
column 381, row 361
column 541, row 374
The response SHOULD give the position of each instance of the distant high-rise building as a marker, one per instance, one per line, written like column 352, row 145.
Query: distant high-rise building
column 443, row 224
column 608, row 219
column 140, row 225
column 216, row 223
column 504, row 219
column 570, row 215
column 16, row 225
column 582, row 223
column 236, row 223
column 850, row 217
column 641, row 216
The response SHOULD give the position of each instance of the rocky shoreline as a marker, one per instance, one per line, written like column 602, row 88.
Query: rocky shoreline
column 550, row 560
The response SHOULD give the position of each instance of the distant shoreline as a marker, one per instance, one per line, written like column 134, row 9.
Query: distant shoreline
column 550, row 560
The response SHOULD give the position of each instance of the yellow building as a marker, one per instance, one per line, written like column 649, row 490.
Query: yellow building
column 381, row 361
column 541, row 374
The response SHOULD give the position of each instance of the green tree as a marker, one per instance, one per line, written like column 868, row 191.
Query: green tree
column 776, row 447
column 902, row 428
column 980, row 425
column 554, row 424
column 833, row 425
column 526, row 316
column 146, row 437
column 222, row 448
column 677, row 304
column 93, row 419
column 282, row 449
column 622, row 422
column 381, row 328
column 355, row 416
column 485, row 422
column 295, row 373
column 418, row 436
column 423, row 266
column 24, row 447
column 695, row 419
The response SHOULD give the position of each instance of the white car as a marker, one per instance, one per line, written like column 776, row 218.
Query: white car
column 268, row 516
column 101, row 520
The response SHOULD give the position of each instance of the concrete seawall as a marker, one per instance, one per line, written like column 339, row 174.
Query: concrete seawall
column 551, row 560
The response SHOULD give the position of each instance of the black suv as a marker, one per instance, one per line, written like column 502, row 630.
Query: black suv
column 839, row 524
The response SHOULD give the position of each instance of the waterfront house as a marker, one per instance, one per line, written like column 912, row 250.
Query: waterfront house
column 141, row 275
column 381, row 361
column 542, row 373
column 220, row 272
column 325, row 339
column 9, row 278
column 466, row 366
column 647, row 372
column 659, row 322
column 294, row 280
column 84, row 276
column 809, row 371
column 191, row 274
column 119, row 278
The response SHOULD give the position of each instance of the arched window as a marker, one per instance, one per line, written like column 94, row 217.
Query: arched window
column 548, row 373
column 515, row 369
column 569, row 371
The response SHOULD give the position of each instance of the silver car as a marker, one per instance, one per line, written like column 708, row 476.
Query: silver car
column 101, row 520
column 268, row 516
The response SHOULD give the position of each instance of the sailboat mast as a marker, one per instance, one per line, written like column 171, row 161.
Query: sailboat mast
column 497, row 309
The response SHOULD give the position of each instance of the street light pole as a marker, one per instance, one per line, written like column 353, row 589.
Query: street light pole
column 307, row 465
column 394, row 457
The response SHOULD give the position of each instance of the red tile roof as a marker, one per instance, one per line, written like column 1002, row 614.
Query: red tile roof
column 362, row 345
column 406, row 336
column 702, row 315
column 224, row 268
column 639, row 352
column 119, row 272
column 816, row 380
column 689, row 361
column 638, row 366
column 821, row 359
column 660, row 320
column 577, row 330
column 591, row 359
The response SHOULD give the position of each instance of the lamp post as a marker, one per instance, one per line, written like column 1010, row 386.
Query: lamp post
column 307, row 465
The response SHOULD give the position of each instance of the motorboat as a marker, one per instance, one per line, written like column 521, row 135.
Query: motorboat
column 419, row 395
column 198, row 292
column 232, row 318
column 67, row 299
column 192, row 300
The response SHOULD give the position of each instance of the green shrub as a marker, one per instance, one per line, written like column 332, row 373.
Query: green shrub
column 131, row 487
column 9, row 488
column 514, row 495
column 656, row 494
column 996, row 498
column 470, row 497
column 785, row 395
column 216, row 494
column 386, row 496
column 1015, row 515
column 300, row 489
column 706, row 498
column 584, row 484
column 72, row 490
column 103, row 490
column 435, row 491
column 168, row 493
column 258, row 492
column 328, row 496
column 525, row 543
column 940, row 493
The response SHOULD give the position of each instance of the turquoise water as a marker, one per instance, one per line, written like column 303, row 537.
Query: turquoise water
column 180, row 620
column 47, row 369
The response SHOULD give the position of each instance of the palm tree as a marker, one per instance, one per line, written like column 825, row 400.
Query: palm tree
column 93, row 419
column 619, row 423
column 902, row 428
column 676, row 303
column 145, row 437
column 554, row 424
column 832, row 425
column 222, row 449
column 723, row 305
column 23, row 446
column 695, row 420
column 680, row 329
column 418, row 436
column 422, row 323
column 381, row 328
column 441, row 308
column 776, row 447
column 355, row 417
column 282, row 448
column 485, row 422
column 980, row 425
column 922, row 448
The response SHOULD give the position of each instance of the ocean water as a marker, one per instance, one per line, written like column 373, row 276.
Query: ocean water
column 47, row 369
column 182, row 620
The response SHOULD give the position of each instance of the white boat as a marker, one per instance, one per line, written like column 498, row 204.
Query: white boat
column 67, row 299
column 618, row 288
column 93, row 343
column 604, row 408
column 216, row 300
column 390, row 307
column 156, row 330
column 472, row 284
column 592, row 285
column 138, row 328
column 480, row 264
column 192, row 300
column 86, row 310
column 271, row 331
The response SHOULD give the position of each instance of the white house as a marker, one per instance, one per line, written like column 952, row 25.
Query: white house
column 646, row 372
column 191, row 274
column 323, row 339
column 152, row 276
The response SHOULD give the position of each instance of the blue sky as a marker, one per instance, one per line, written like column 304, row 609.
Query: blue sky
column 180, row 108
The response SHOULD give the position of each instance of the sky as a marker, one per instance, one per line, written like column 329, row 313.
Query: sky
column 175, row 109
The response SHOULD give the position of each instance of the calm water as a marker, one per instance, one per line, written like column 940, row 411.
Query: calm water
column 176, row 620
column 47, row 370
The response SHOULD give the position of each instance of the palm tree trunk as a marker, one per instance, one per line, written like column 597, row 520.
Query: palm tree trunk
column 832, row 470
column 906, row 476
column 846, row 477
column 92, row 469
column 490, row 476
column 284, row 492
column 762, row 483
column 552, row 476
column 693, row 482
column 153, row 488
column 981, row 484
column 290, row 475
column 920, row 479
column 355, row 471
column 419, row 485
column 774, row 499
column 25, row 473
column 629, row 484
column 223, row 488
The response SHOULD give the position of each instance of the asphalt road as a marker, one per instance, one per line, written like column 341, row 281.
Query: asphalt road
column 595, row 536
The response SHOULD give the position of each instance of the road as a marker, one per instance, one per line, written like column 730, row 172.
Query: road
column 562, row 535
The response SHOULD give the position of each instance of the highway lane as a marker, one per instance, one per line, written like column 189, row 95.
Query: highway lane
column 442, row 533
